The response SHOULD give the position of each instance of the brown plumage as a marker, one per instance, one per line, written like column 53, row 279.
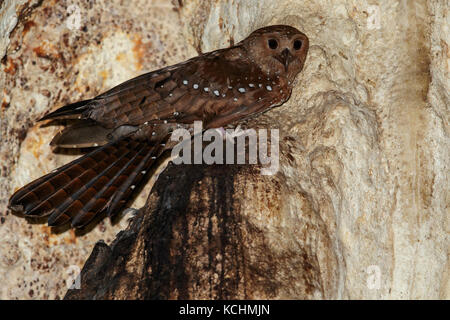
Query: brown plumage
column 133, row 121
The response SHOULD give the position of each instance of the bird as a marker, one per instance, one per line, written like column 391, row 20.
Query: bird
column 129, row 126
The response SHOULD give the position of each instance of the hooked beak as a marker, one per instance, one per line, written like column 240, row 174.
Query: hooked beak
column 285, row 58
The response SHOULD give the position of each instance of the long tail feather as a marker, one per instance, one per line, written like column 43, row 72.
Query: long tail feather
column 98, row 181
column 33, row 193
column 133, row 177
column 74, row 204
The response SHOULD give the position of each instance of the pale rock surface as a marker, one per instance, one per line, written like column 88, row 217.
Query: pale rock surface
column 364, row 138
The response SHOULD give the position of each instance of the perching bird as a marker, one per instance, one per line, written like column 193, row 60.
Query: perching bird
column 132, row 122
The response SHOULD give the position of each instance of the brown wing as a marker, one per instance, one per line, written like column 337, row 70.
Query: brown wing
column 219, row 88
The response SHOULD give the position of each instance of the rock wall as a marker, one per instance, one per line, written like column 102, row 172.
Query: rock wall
column 364, row 168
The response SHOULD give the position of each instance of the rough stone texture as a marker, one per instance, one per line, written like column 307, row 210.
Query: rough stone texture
column 364, row 177
column 50, row 62
column 203, row 240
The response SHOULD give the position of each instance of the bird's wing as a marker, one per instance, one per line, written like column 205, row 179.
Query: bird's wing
column 213, row 88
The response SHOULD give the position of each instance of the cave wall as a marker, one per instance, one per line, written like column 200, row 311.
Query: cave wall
column 363, row 179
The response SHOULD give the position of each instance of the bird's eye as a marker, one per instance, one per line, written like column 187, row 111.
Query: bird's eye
column 273, row 44
column 297, row 44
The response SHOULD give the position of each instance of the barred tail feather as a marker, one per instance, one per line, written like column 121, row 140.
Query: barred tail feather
column 80, row 190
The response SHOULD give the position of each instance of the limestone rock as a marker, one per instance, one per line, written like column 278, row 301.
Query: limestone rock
column 362, row 191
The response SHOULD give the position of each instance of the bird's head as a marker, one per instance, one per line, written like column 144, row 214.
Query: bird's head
column 278, row 50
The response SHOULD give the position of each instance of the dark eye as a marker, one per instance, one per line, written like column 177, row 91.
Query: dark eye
column 273, row 44
column 297, row 44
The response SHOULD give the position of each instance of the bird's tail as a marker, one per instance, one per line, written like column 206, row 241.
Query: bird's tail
column 101, row 180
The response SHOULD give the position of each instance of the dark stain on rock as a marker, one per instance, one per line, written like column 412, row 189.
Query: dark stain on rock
column 27, row 26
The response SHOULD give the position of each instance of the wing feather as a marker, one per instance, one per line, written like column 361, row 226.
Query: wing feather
column 201, row 88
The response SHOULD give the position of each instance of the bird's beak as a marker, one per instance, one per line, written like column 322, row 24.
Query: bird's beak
column 285, row 58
